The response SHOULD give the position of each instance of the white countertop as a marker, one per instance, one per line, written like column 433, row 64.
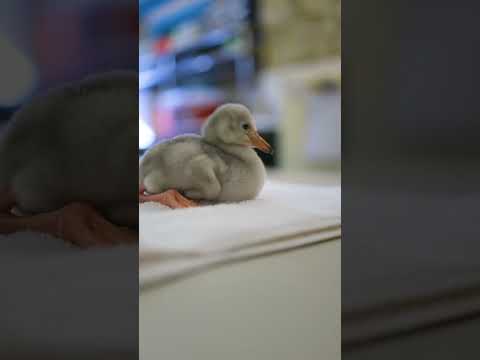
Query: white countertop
column 283, row 306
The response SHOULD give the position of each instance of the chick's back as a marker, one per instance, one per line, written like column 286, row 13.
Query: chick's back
column 173, row 164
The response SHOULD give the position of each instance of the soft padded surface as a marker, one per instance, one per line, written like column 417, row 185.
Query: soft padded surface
column 284, row 216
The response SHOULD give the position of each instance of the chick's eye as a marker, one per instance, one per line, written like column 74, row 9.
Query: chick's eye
column 245, row 126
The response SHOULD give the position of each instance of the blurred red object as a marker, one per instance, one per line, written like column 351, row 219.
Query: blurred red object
column 204, row 111
column 183, row 110
column 162, row 45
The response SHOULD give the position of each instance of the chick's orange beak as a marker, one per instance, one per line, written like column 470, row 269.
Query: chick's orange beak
column 259, row 142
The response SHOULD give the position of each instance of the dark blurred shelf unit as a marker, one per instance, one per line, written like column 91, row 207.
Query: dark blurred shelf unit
column 223, row 54
column 205, row 63
column 194, row 56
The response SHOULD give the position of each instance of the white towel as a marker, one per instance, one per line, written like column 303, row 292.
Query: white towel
column 176, row 242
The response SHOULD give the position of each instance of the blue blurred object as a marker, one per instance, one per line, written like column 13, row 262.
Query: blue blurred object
column 194, row 55
column 160, row 17
column 145, row 6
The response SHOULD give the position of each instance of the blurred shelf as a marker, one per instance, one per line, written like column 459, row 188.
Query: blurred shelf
column 164, row 68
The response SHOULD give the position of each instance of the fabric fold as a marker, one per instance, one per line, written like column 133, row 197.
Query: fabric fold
column 177, row 242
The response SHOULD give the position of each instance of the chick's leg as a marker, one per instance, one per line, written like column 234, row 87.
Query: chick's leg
column 76, row 223
column 82, row 225
column 171, row 198
column 10, row 223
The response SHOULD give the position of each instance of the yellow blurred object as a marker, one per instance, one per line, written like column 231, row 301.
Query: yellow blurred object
column 299, row 31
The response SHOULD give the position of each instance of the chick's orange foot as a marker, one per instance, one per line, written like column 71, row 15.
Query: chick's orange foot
column 171, row 198
column 76, row 223
column 82, row 225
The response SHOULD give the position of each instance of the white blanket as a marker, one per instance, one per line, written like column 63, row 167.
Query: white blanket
column 176, row 242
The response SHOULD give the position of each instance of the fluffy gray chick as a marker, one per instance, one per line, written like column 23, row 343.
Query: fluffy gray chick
column 77, row 143
column 219, row 166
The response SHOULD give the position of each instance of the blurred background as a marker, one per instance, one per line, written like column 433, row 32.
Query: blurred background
column 281, row 58
column 45, row 43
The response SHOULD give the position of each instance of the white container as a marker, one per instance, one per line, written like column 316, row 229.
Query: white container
column 308, row 119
